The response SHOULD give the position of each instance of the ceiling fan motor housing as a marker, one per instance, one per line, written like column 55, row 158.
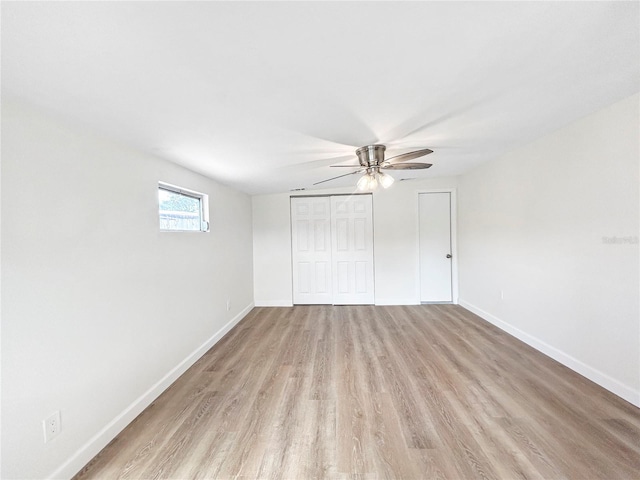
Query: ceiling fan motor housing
column 371, row 155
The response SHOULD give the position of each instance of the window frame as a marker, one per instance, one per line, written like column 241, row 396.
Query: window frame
column 202, row 198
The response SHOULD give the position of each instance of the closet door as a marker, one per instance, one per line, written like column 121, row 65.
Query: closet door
column 352, row 246
column 311, row 250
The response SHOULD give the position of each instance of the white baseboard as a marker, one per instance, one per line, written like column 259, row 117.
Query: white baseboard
column 273, row 303
column 100, row 440
column 614, row 386
column 396, row 301
column 384, row 301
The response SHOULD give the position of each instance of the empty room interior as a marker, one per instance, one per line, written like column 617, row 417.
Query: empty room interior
column 320, row 240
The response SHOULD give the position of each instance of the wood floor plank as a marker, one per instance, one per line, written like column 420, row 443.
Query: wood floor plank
column 368, row 393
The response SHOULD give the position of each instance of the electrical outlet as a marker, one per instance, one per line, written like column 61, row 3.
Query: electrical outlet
column 501, row 294
column 51, row 426
column 228, row 304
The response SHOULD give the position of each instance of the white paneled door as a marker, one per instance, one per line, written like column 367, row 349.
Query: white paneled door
column 332, row 250
column 311, row 247
column 435, row 247
column 352, row 242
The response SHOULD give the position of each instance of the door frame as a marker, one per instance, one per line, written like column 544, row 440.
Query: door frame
column 454, row 240
column 373, row 236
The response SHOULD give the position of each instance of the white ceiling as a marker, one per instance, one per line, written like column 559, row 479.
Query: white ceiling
column 265, row 96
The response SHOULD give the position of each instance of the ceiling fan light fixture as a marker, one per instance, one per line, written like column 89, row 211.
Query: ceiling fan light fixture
column 363, row 182
column 385, row 180
column 368, row 182
column 374, row 178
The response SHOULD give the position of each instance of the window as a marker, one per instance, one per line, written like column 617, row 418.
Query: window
column 182, row 210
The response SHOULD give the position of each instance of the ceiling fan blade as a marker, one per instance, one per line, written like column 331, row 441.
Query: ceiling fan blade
column 349, row 166
column 339, row 176
column 304, row 165
column 409, row 156
column 407, row 166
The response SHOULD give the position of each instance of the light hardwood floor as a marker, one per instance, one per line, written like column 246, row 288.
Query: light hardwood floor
column 363, row 392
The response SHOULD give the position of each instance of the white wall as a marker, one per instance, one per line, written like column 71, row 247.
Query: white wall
column 535, row 224
column 272, row 276
column 395, row 230
column 101, row 311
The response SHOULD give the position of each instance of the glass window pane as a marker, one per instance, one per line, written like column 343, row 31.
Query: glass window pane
column 179, row 211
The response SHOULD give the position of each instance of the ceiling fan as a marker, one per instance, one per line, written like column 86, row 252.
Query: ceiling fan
column 372, row 161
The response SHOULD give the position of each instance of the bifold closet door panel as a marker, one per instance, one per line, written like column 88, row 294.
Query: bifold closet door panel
column 311, row 250
column 352, row 249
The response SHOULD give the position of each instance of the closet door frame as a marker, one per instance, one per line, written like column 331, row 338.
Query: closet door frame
column 454, row 241
column 353, row 264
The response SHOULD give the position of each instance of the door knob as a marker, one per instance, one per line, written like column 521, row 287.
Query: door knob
column 448, row 255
